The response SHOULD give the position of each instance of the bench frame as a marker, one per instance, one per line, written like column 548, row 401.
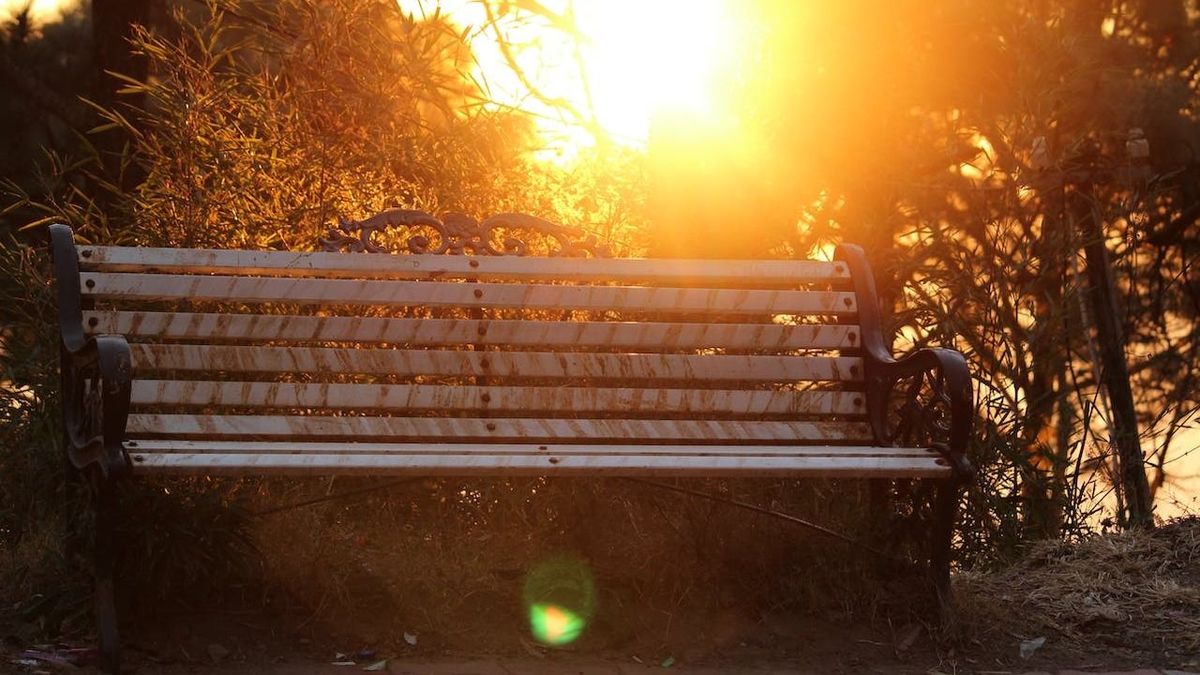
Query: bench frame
column 96, row 380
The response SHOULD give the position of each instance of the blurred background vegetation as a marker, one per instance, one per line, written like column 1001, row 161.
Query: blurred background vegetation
column 971, row 146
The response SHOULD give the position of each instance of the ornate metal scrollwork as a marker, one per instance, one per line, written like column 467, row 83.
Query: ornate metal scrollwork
column 456, row 234
column 931, row 409
column 922, row 418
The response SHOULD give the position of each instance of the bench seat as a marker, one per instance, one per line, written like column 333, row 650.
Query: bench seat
column 461, row 459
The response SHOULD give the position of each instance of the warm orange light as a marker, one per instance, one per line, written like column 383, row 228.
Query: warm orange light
column 40, row 11
column 629, row 61
column 656, row 57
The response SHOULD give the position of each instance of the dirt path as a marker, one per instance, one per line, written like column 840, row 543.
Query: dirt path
column 572, row 667
column 740, row 662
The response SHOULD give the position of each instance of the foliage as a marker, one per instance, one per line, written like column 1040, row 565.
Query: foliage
column 259, row 131
column 967, row 145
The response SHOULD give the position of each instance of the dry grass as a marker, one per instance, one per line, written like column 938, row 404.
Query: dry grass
column 1135, row 592
column 447, row 560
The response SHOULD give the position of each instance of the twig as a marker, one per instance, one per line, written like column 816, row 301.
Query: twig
column 769, row 512
column 329, row 498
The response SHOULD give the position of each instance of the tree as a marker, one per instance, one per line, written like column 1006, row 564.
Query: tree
column 939, row 135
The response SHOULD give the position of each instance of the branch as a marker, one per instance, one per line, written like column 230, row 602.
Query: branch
column 1169, row 234
column 510, row 59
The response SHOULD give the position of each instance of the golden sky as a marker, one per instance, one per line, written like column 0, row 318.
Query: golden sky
column 629, row 62
column 42, row 10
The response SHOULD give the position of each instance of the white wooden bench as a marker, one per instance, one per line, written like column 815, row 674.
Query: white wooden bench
column 184, row 361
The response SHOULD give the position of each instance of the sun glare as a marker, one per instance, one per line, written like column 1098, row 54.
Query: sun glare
column 644, row 59
column 40, row 11
column 628, row 63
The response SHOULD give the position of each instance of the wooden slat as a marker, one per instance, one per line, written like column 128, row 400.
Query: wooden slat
column 513, row 465
column 407, row 362
column 432, row 397
column 312, row 427
column 731, row 302
column 257, row 327
column 366, row 266
column 551, row 450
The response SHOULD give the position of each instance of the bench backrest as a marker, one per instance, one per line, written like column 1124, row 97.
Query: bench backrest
column 263, row 345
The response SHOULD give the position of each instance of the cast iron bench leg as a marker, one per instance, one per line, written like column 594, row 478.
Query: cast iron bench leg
column 942, row 538
column 105, row 598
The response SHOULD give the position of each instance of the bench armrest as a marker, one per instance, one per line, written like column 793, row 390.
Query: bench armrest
column 96, row 373
column 937, row 406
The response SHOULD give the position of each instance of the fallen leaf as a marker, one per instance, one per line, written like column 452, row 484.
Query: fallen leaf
column 216, row 652
column 378, row 665
column 668, row 662
column 1028, row 647
column 411, row 638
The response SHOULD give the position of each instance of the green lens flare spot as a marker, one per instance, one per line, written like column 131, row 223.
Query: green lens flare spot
column 561, row 596
column 554, row 625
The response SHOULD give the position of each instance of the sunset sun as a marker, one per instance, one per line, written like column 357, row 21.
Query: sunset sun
column 644, row 59
column 617, row 64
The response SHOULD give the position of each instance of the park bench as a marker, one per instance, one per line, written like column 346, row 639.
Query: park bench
column 417, row 346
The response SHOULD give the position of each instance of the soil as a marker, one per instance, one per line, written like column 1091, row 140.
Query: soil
column 242, row 640
column 454, row 604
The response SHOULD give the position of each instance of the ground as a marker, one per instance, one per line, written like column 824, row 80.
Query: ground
column 239, row 642
column 1106, row 603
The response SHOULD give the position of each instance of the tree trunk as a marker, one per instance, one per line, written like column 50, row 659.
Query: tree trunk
column 1114, row 375
column 112, row 26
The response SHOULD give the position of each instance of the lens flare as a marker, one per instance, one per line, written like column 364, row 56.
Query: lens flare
column 561, row 597
column 553, row 625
